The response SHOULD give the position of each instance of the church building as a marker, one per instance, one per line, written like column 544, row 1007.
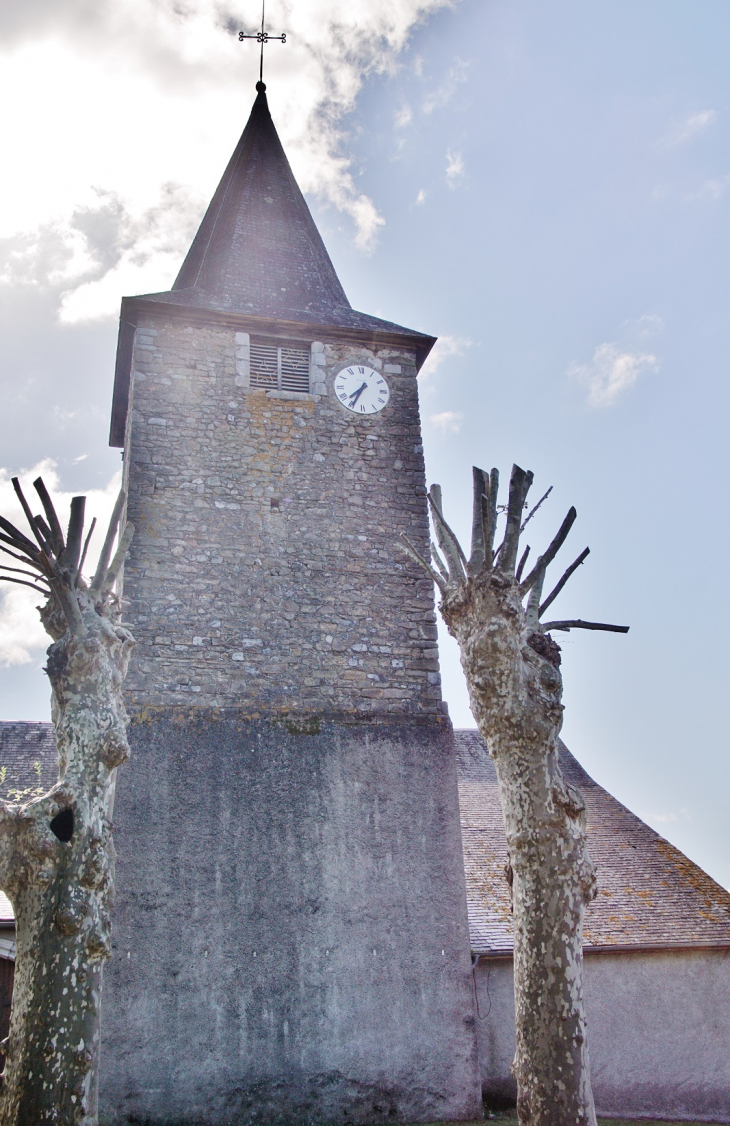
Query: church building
column 291, row 905
column 312, row 924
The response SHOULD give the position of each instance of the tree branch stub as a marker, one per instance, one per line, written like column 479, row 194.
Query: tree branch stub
column 578, row 624
column 547, row 557
column 55, row 533
column 519, row 486
column 563, row 579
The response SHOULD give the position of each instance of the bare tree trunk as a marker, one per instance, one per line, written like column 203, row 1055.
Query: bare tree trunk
column 57, row 852
column 512, row 669
column 515, row 691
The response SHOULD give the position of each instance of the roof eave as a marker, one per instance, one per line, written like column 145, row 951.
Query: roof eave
column 620, row 948
column 266, row 326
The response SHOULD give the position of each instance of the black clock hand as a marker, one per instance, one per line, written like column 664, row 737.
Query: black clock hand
column 354, row 397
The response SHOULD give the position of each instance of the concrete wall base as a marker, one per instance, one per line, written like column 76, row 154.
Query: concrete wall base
column 290, row 937
column 658, row 1032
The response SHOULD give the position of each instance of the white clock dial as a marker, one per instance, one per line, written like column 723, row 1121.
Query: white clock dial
column 361, row 390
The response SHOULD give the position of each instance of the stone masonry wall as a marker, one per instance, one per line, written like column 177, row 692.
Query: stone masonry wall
column 265, row 572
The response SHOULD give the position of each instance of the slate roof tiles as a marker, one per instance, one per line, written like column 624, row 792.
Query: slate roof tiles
column 28, row 761
column 650, row 894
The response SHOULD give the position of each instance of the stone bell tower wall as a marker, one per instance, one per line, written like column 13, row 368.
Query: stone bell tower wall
column 290, row 935
column 265, row 572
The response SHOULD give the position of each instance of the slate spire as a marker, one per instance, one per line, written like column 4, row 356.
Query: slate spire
column 258, row 250
column 259, row 262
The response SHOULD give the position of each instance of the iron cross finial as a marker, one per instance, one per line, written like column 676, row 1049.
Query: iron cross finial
column 261, row 37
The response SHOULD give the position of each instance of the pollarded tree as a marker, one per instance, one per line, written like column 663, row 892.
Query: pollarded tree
column 512, row 669
column 56, row 852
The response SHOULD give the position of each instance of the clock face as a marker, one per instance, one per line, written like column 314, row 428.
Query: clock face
column 361, row 390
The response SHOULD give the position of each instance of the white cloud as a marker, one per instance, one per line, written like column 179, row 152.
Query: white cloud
column 684, row 130
column 611, row 373
column 712, row 189
column 667, row 818
column 361, row 210
column 102, row 251
column 449, row 422
column 172, row 86
column 443, row 94
column 444, row 347
column 650, row 324
column 421, row 197
column 21, row 634
column 22, row 637
column 454, row 168
column 403, row 116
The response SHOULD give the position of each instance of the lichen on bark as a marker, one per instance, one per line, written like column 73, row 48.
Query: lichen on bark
column 512, row 669
column 57, row 851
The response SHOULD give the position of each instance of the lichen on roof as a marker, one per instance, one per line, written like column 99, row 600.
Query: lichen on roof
column 28, row 760
column 649, row 893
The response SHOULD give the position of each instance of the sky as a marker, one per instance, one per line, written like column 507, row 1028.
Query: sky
column 544, row 187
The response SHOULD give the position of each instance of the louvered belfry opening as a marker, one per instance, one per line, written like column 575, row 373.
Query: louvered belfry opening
column 279, row 367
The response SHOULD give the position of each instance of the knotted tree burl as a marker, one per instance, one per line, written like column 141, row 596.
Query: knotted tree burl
column 56, row 851
column 512, row 669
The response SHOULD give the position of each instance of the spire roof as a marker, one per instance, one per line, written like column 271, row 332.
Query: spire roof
column 258, row 252
column 258, row 249
column 257, row 258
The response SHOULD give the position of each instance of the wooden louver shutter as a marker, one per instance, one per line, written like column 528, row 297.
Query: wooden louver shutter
column 281, row 367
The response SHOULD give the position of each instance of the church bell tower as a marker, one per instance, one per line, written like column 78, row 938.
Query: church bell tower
column 291, row 940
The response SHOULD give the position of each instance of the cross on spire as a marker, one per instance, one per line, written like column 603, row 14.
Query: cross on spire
column 261, row 37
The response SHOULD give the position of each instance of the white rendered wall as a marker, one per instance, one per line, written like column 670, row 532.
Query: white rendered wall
column 658, row 1032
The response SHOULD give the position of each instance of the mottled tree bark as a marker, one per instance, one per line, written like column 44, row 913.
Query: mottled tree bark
column 57, row 852
column 512, row 669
